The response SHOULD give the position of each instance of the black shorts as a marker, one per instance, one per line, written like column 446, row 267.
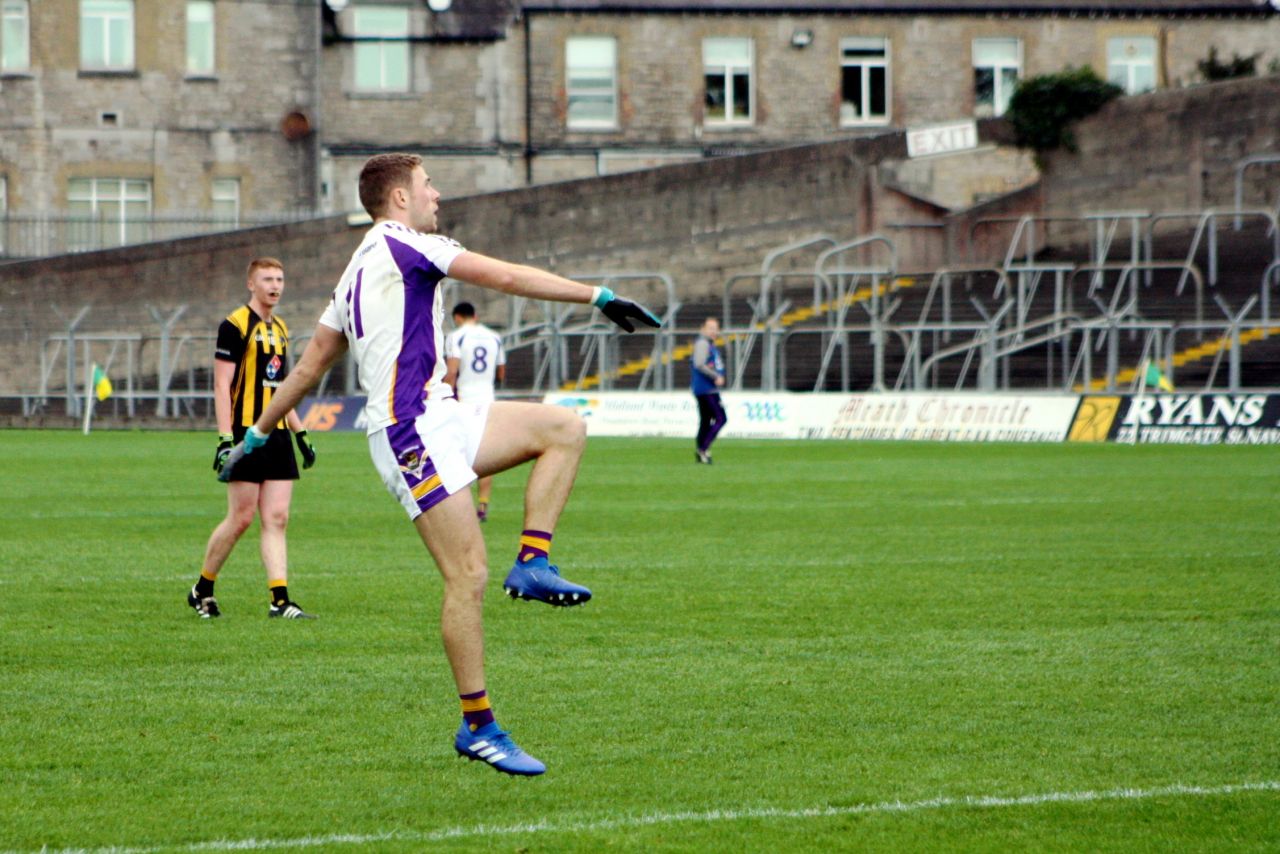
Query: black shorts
column 273, row 461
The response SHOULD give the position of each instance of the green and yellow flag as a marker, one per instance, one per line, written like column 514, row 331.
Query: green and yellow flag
column 101, row 385
column 1156, row 379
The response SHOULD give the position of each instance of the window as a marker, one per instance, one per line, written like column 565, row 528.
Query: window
column 726, row 68
column 382, row 63
column 997, row 64
column 864, row 81
column 591, row 82
column 226, row 201
column 1131, row 63
column 108, row 211
column 15, row 36
column 200, row 38
column 106, row 35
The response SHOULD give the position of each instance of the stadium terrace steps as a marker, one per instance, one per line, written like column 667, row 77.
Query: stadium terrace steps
column 1242, row 258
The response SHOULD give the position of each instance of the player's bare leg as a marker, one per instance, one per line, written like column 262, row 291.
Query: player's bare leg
column 451, row 533
column 554, row 438
column 242, row 503
column 273, row 513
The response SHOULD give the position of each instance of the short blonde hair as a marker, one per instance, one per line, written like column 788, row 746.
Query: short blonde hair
column 265, row 262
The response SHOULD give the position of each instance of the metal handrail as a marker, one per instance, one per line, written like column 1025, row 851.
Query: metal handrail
column 820, row 263
column 1272, row 271
column 1127, row 270
column 1230, row 330
column 992, row 325
column 1206, row 221
column 1241, row 165
column 766, row 266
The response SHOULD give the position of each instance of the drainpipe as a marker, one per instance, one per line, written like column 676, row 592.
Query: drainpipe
column 316, row 96
column 528, row 103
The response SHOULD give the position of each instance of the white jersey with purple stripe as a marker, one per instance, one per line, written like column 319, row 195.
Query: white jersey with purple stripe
column 389, row 306
column 479, row 352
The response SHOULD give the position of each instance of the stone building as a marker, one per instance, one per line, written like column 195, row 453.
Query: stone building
column 129, row 120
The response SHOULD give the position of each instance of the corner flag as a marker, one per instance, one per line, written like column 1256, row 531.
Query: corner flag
column 101, row 384
column 1156, row 379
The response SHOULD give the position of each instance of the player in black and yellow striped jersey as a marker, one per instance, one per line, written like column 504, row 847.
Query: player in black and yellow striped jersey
column 250, row 362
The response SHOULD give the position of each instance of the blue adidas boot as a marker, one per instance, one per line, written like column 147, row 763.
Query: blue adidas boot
column 537, row 579
column 490, row 744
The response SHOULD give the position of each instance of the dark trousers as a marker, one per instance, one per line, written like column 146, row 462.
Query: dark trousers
column 711, row 419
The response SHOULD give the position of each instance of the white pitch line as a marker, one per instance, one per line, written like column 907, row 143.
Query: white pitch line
column 625, row 822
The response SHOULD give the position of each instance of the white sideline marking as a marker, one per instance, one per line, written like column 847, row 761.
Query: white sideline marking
column 967, row 801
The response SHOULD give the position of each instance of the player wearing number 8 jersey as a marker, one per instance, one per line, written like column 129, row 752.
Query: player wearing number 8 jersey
column 476, row 362
column 387, row 310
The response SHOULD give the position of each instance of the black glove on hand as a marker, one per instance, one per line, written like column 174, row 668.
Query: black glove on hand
column 621, row 311
column 305, row 448
column 224, row 448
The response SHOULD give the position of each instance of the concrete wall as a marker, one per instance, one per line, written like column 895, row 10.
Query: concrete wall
column 1170, row 150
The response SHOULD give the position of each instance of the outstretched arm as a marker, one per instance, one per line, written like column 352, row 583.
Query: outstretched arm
column 325, row 347
column 525, row 281
column 518, row 279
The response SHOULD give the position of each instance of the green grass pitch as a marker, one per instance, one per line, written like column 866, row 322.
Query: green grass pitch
column 807, row 646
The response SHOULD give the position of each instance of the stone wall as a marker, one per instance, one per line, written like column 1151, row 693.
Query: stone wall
column 1171, row 150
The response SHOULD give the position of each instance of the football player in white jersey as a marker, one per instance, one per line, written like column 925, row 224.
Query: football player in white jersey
column 476, row 364
column 428, row 447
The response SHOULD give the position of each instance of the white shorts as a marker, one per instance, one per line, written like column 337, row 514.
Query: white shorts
column 424, row 461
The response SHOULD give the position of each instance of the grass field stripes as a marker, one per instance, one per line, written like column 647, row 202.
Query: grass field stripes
column 707, row 817
column 809, row 646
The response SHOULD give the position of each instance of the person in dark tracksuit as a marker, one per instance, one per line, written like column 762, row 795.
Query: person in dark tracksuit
column 708, row 378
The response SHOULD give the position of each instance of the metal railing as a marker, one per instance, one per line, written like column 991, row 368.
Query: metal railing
column 42, row 235
column 984, row 327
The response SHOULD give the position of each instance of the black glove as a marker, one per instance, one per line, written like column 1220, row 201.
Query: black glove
column 621, row 311
column 305, row 448
column 225, row 440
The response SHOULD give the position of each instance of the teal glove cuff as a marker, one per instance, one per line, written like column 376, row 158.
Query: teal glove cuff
column 254, row 439
column 602, row 298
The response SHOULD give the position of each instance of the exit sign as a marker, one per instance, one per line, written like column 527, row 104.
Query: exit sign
column 942, row 139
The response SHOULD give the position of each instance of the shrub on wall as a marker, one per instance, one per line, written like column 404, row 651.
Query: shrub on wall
column 1211, row 68
column 1043, row 108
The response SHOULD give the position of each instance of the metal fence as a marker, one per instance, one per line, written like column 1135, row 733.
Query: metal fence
column 840, row 319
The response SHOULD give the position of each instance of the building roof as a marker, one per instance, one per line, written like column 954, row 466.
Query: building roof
column 916, row 7
column 460, row 20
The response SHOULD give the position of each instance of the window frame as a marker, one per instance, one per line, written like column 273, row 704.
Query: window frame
column 573, row 90
column 98, row 195
column 885, row 62
column 128, row 61
column 728, row 72
column 210, row 38
column 997, row 87
column 216, row 197
column 1153, row 63
column 373, row 39
column 7, row 15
